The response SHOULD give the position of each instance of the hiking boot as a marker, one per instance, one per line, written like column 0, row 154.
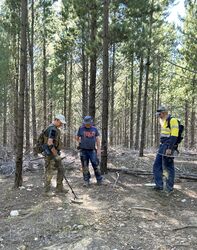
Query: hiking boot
column 86, row 184
column 156, row 188
column 61, row 191
column 101, row 182
column 47, row 188
column 169, row 192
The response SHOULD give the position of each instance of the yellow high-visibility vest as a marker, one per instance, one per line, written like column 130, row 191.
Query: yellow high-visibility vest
column 172, row 131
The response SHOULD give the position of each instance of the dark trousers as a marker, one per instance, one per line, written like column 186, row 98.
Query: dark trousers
column 161, row 164
column 86, row 157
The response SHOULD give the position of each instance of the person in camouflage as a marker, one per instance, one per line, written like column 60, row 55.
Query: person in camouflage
column 53, row 146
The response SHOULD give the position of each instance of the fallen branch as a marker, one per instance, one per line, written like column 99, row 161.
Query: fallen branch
column 143, row 172
column 181, row 228
column 145, row 209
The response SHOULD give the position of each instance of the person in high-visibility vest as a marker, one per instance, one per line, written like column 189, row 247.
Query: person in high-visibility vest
column 164, row 162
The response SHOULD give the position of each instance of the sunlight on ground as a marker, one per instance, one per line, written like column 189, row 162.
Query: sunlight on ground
column 190, row 193
column 56, row 200
column 2, row 180
column 91, row 204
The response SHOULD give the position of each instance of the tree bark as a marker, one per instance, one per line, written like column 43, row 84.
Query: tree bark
column 27, row 109
column 84, row 92
column 44, row 70
column 31, row 54
column 139, row 104
column 70, row 105
column 131, row 103
column 16, row 86
column 5, row 116
column 186, row 138
column 193, row 114
column 23, row 67
column 143, row 127
column 65, row 94
column 112, row 96
column 105, row 89
column 93, row 59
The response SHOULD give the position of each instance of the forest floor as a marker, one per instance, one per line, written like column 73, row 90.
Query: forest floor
column 123, row 215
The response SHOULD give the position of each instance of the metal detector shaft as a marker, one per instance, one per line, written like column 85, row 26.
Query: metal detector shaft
column 118, row 175
column 69, row 186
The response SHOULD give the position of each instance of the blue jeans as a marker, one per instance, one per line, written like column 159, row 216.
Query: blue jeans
column 164, row 163
column 86, row 156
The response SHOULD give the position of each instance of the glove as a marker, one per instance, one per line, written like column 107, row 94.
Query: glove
column 79, row 146
column 57, row 158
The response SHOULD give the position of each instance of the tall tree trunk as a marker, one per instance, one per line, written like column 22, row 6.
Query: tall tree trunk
column 152, row 104
column 105, row 88
column 23, row 66
column 157, row 102
column 27, row 102
column 93, row 59
column 31, row 55
column 112, row 96
column 44, row 70
column 186, row 137
column 131, row 103
column 70, row 105
column 5, row 116
column 143, row 127
column 125, row 115
column 65, row 95
column 16, row 86
column 86, row 82
column 193, row 114
column 139, row 104
column 84, row 96
column 50, row 116
column 27, row 109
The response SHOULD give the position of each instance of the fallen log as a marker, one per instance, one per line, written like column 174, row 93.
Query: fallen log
column 144, row 172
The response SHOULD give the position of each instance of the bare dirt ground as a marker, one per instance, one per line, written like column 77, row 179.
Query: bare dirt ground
column 128, row 215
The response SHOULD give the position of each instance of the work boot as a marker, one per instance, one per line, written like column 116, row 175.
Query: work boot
column 101, row 182
column 169, row 192
column 156, row 188
column 47, row 188
column 61, row 190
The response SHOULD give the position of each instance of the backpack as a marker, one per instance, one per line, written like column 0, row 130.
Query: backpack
column 181, row 129
column 39, row 146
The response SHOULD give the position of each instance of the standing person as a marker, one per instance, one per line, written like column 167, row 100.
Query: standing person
column 53, row 144
column 164, row 162
column 89, row 144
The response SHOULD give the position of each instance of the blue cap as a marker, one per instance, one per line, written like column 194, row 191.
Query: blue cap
column 87, row 120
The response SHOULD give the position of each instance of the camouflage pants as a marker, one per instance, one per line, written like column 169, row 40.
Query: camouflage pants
column 50, row 166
